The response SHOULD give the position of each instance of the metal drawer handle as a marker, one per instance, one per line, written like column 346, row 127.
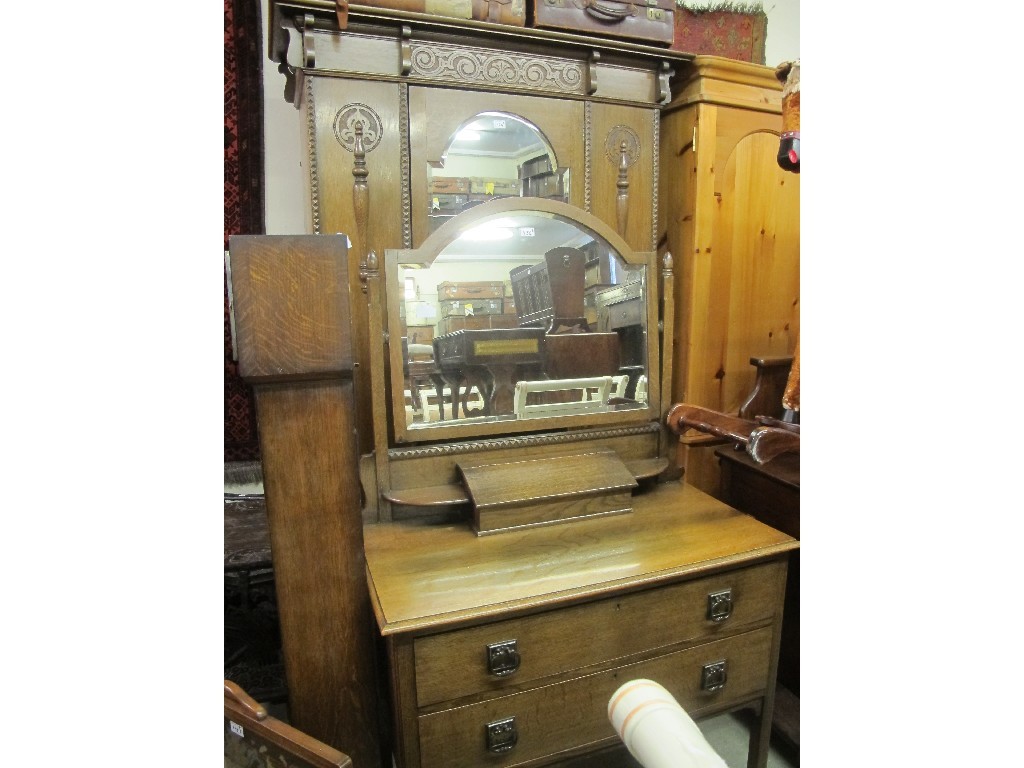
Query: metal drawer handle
column 720, row 605
column 502, row 735
column 503, row 658
column 713, row 676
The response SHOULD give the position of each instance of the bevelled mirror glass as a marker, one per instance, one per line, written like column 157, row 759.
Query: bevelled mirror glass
column 491, row 156
column 520, row 315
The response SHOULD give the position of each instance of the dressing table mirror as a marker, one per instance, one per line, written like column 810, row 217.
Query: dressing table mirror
column 544, row 347
column 492, row 155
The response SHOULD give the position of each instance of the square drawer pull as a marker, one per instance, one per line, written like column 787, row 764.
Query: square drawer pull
column 713, row 676
column 503, row 658
column 720, row 605
column 502, row 735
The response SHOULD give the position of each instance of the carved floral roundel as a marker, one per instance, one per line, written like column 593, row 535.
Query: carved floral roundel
column 345, row 126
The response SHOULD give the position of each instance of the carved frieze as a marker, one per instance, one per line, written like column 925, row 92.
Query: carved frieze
column 456, row 64
column 523, row 441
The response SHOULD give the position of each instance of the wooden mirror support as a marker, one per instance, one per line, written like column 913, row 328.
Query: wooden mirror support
column 428, row 468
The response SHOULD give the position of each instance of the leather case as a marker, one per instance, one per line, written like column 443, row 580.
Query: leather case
column 645, row 21
column 509, row 12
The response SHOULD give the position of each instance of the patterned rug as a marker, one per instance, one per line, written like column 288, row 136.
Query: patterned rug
column 735, row 33
column 243, row 194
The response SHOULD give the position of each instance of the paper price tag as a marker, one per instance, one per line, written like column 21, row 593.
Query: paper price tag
column 237, row 729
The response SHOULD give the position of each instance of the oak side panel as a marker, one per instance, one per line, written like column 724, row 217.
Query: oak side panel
column 291, row 306
column 331, row 103
column 610, row 124
column 308, row 450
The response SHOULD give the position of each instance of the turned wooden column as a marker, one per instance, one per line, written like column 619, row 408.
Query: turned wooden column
column 292, row 312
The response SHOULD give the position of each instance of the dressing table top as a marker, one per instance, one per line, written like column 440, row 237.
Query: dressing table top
column 432, row 577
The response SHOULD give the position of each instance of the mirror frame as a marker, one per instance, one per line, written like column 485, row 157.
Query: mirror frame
column 426, row 254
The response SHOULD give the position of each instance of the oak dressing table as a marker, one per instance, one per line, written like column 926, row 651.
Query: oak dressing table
column 505, row 620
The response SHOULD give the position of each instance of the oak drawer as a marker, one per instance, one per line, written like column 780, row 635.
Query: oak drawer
column 573, row 714
column 455, row 664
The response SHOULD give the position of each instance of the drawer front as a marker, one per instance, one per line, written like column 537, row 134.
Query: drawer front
column 455, row 664
column 573, row 714
column 622, row 315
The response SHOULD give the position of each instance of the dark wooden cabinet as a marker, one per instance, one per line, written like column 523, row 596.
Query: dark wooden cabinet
column 771, row 493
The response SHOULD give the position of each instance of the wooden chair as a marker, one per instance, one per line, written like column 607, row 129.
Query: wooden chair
column 252, row 738
column 762, row 424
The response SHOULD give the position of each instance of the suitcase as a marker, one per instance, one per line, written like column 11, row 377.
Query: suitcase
column 483, row 322
column 509, row 12
column 449, row 185
column 482, row 290
column 645, row 21
column 482, row 186
column 471, row 307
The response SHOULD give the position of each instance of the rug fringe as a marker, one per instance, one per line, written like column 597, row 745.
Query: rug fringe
column 721, row 7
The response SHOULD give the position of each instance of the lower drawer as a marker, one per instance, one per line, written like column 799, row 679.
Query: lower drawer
column 573, row 714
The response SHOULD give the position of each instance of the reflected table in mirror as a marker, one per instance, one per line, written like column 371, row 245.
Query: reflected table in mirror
column 491, row 359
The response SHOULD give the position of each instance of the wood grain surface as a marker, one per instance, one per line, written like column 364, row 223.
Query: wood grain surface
column 432, row 578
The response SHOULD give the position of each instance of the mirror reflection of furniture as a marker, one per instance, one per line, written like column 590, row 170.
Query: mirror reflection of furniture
column 550, row 295
column 253, row 737
column 492, row 155
column 421, row 376
column 527, row 262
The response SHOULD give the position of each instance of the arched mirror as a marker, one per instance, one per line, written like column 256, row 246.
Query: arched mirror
column 533, row 315
column 491, row 156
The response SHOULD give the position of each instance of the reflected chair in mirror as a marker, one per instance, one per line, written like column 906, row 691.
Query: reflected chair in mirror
column 421, row 376
column 254, row 738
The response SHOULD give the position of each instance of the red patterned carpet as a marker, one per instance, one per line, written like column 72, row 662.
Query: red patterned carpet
column 734, row 34
column 243, row 195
